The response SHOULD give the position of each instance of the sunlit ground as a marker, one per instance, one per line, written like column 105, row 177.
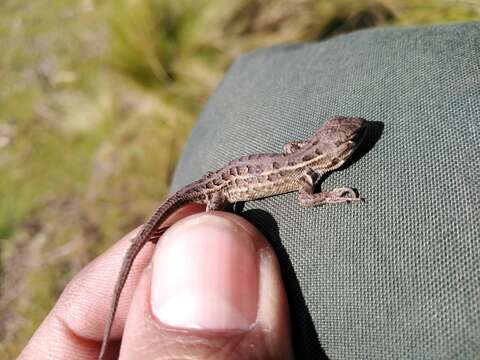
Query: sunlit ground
column 96, row 102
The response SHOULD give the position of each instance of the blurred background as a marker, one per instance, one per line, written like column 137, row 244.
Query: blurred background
column 96, row 101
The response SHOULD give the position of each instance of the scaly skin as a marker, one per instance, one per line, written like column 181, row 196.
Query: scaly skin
column 298, row 168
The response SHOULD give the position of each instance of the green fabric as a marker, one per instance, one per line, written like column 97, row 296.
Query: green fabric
column 397, row 276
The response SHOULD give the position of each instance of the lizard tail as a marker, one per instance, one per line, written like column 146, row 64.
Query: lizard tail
column 138, row 243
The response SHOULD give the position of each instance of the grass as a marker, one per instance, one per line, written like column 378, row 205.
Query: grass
column 90, row 88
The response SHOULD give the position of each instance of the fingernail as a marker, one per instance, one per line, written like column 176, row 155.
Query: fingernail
column 205, row 276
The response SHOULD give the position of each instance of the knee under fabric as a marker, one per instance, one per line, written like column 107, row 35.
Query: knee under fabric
column 397, row 276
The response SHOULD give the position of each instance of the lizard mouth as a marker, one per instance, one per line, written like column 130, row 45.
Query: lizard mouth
column 355, row 141
column 359, row 135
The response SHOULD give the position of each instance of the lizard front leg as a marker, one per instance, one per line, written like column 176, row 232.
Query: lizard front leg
column 308, row 198
column 293, row 146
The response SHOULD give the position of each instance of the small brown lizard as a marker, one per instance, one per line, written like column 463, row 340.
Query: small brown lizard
column 298, row 168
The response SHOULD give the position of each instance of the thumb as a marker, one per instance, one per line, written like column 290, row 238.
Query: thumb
column 213, row 291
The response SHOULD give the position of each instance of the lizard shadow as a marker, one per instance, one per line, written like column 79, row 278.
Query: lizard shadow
column 372, row 135
column 306, row 343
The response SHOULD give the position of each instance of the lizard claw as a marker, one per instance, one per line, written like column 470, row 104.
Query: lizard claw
column 346, row 193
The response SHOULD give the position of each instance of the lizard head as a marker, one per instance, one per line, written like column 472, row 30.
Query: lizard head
column 337, row 140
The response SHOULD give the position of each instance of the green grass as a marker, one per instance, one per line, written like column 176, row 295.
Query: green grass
column 96, row 102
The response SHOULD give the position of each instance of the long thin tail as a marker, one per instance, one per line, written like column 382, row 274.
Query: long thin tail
column 170, row 205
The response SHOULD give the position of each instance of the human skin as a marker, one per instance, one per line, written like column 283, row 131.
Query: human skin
column 211, row 288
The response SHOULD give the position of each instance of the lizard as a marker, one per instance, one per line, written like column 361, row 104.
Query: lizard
column 299, row 168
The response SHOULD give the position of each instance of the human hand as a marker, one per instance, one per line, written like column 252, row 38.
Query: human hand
column 210, row 289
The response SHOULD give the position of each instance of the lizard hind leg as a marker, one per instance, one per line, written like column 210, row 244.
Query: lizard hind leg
column 308, row 198
column 217, row 201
